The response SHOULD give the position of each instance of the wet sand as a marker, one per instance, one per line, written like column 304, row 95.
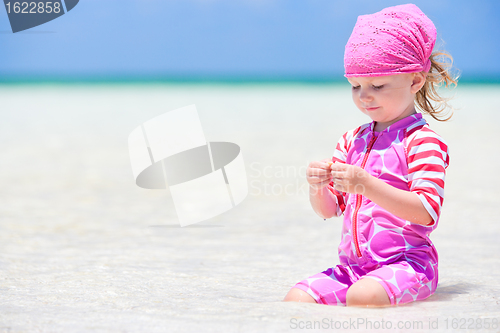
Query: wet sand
column 82, row 249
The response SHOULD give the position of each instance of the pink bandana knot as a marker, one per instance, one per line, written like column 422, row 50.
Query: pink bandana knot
column 395, row 40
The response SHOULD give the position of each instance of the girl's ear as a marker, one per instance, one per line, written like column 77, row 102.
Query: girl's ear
column 418, row 82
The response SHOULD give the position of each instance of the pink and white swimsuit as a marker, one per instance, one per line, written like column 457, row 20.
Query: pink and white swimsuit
column 376, row 244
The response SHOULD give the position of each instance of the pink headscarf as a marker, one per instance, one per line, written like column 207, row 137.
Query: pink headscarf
column 395, row 40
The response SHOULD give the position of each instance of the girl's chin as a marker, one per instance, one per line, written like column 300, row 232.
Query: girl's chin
column 375, row 118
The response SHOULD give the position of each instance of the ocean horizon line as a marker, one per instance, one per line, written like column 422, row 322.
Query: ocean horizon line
column 204, row 79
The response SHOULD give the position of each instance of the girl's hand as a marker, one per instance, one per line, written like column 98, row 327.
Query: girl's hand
column 318, row 173
column 349, row 178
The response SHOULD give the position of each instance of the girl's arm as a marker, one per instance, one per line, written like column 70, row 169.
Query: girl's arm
column 323, row 201
column 403, row 204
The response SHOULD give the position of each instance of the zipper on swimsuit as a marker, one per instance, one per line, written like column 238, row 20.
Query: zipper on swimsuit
column 359, row 198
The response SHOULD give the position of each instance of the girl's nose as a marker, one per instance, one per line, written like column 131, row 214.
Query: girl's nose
column 365, row 96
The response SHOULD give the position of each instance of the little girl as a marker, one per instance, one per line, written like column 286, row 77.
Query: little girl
column 387, row 176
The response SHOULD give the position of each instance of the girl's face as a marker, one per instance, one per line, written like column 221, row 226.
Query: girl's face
column 386, row 99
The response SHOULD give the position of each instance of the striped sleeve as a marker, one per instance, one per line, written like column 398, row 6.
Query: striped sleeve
column 427, row 161
column 340, row 156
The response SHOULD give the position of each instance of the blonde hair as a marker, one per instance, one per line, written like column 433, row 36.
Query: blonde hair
column 439, row 73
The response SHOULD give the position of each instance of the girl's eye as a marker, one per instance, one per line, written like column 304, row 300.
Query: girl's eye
column 378, row 87
column 355, row 87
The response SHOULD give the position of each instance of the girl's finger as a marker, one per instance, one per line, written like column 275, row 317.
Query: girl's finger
column 321, row 184
column 314, row 180
column 339, row 181
column 338, row 167
column 325, row 182
column 324, row 166
column 320, row 164
column 317, row 172
column 337, row 174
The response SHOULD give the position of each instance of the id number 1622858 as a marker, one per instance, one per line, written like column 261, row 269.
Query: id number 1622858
column 471, row 323
column 33, row 7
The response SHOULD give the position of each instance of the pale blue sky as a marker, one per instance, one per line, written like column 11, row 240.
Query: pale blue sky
column 237, row 38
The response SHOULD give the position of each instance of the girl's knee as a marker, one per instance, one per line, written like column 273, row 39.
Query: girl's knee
column 367, row 292
column 298, row 295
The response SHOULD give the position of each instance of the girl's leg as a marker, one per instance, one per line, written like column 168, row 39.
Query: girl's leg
column 400, row 281
column 328, row 287
column 367, row 292
column 298, row 295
